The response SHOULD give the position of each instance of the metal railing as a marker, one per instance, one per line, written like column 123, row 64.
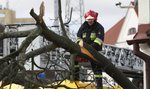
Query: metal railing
column 123, row 58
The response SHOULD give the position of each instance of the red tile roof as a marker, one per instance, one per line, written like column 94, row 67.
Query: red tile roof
column 112, row 34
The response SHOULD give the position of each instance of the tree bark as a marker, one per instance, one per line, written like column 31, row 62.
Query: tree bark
column 15, row 34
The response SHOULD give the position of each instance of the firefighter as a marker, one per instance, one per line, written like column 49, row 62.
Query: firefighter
column 92, row 33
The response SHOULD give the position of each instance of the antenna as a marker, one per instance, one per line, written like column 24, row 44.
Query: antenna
column 120, row 5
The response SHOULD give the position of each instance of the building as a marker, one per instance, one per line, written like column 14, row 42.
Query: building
column 125, row 29
column 8, row 16
column 141, row 39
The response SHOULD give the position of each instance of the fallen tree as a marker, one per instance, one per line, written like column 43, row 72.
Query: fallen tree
column 66, row 43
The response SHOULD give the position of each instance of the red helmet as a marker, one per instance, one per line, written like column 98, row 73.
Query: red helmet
column 91, row 15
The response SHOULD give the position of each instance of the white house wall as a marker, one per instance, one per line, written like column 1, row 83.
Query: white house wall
column 131, row 21
column 144, row 11
column 144, row 18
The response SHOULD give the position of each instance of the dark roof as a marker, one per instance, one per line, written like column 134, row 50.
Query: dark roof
column 141, row 35
column 112, row 34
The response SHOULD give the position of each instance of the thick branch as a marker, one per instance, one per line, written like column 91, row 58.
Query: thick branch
column 41, row 50
column 29, row 39
column 110, row 69
column 14, row 34
column 21, row 52
column 23, row 46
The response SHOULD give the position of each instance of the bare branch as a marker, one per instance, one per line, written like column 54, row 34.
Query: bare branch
column 23, row 46
column 44, row 49
column 29, row 39
column 60, row 19
column 15, row 34
column 42, row 11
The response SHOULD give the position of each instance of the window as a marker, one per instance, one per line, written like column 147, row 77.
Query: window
column 132, row 31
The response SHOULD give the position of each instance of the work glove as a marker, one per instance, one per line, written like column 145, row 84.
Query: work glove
column 96, row 46
column 81, row 43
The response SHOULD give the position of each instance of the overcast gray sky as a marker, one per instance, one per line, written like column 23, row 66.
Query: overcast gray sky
column 109, row 14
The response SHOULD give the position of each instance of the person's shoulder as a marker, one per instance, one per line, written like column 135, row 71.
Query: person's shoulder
column 99, row 25
column 85, row 24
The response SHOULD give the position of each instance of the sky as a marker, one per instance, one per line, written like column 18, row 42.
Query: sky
column 109, row 13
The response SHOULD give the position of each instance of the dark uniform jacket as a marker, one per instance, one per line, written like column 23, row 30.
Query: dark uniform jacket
column 92, row 35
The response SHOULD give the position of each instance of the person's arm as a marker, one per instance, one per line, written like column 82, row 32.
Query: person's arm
column 97, row 43
column 79, row 33
column 100, row 35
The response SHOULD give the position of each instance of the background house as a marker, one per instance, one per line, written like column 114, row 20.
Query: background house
column 125, row 29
